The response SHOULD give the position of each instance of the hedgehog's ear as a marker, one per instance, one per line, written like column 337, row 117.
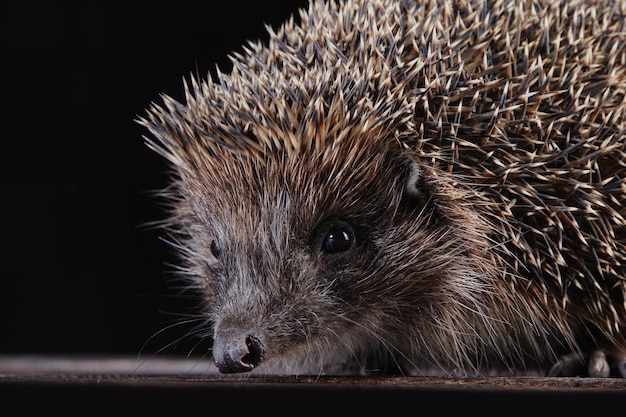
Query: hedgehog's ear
column 414, row 177
column 415, row 188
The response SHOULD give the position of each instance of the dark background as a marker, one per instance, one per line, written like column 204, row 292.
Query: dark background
column 78, row 273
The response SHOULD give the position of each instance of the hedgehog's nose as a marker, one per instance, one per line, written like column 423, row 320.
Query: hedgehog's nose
column 233, row 353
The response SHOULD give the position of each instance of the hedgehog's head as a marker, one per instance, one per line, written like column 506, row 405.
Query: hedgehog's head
column 309, row 221
column 316, row 234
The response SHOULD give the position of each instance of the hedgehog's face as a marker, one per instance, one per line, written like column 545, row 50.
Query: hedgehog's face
column 304, row 257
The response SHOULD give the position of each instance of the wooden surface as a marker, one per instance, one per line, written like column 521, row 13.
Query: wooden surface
column 160, row 384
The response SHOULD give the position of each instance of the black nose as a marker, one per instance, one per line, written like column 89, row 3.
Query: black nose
column 234, row 354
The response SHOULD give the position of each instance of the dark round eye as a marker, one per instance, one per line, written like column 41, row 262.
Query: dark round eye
column 215, row 249
column 338, row 239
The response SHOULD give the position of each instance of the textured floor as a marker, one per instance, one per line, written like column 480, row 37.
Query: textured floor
column 90, row 386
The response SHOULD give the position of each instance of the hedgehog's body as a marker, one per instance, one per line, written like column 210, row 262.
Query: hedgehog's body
column 411, row 185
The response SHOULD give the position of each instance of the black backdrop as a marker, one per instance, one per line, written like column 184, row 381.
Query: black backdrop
column 77, row 273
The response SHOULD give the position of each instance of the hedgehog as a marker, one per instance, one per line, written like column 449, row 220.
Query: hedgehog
column 432, row 187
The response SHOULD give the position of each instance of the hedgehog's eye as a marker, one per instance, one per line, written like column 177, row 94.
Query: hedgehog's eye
column 215, row 249
column 338, row 239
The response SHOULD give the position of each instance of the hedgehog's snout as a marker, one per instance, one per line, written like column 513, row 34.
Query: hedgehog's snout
column 236, row 352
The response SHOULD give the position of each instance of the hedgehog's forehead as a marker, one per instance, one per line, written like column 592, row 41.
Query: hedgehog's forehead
column 296, row 186
column 340, row 163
